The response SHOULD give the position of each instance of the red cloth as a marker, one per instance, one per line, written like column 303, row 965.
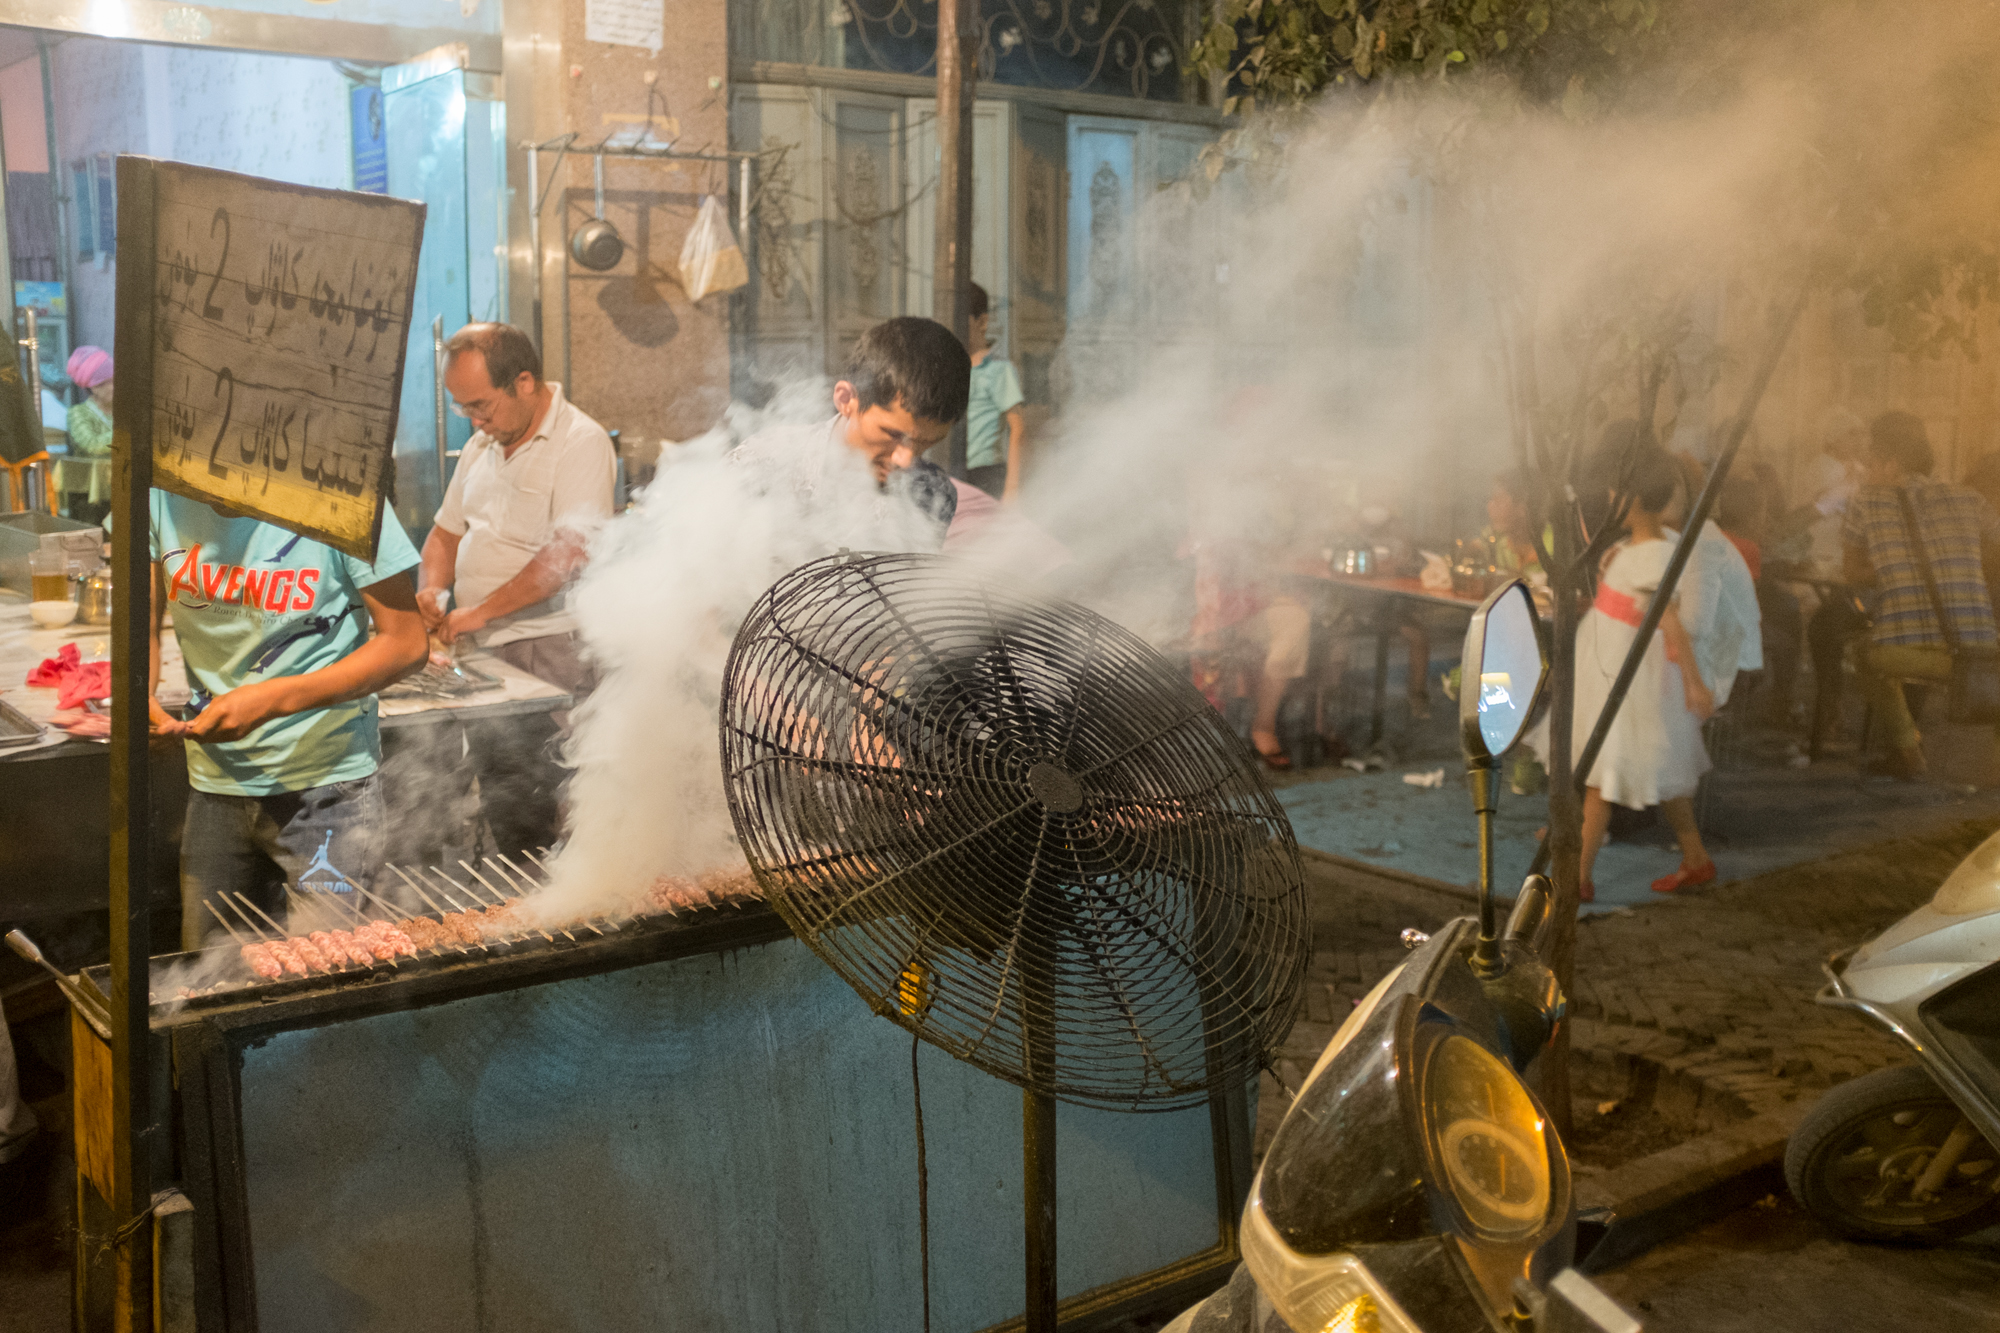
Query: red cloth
column 86, row 682
column 67, row 672
column 52, row 670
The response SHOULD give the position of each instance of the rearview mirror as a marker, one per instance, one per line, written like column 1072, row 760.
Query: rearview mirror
column 1504, row 670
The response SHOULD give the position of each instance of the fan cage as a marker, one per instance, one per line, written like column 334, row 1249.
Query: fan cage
column 1015, row 829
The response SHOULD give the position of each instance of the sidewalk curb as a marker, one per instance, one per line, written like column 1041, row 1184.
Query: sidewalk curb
column 1659, row 1196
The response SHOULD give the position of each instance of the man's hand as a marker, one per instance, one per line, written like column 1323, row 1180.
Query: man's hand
column 431, row 605
column 232, row 716
column 469, row 620
column 159, row 722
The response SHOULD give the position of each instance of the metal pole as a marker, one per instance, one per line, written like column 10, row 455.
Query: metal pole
column 1038, row 1200
column 437, row 404
column 535, row 241
column 957, row 47
column 1663, row 596
column 132, row 1127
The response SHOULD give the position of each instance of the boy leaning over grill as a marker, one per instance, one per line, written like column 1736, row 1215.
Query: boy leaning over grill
column 282, row 746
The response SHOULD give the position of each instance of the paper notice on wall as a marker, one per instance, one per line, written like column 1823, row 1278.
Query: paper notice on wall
column 626, row 22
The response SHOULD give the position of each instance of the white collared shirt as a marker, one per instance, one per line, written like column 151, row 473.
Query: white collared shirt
column 506, row 510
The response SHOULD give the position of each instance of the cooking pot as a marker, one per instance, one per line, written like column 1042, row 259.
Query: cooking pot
column 596, row 244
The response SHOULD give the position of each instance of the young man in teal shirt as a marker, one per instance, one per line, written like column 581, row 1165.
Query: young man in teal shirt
column 993, row 424
column 283, row 747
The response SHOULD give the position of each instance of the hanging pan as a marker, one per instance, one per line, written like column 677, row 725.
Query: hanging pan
column 596, row 244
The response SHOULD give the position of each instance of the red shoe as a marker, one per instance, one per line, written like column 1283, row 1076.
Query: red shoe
column 1685, row 879
column 1587, row 893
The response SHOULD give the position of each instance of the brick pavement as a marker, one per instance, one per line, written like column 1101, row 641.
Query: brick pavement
column 1713, row 988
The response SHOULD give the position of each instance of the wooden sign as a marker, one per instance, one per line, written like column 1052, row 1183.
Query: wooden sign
column 280, row 316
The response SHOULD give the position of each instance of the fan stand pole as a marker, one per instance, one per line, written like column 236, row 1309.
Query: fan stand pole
column 1038, row 1198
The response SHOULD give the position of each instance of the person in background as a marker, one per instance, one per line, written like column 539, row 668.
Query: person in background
column 1510, row 531
column 907, row 381
column 1959, row 531
column 1984, row 477
column 283, row 747
column 89, row 424
column 1653, row 753
column 993, row 424
column 1834, row 616
column 534, row 481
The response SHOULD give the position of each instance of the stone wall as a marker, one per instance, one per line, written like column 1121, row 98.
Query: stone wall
column 640, row 356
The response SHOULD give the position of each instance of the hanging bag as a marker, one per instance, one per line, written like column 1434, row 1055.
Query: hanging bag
column 711, row 261
column 1975, row 667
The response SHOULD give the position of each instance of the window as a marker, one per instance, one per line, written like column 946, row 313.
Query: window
column 93, row 197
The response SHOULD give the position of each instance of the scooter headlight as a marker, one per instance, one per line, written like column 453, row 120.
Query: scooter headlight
column 1319, row 1293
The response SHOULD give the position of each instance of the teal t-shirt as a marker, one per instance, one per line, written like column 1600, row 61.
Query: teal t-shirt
column 996, row 391
column 251, row 602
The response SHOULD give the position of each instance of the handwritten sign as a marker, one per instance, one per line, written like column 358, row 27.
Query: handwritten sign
column 626, row 22
column 280, row 317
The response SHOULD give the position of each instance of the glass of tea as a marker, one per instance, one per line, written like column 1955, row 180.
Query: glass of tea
column 49, row 575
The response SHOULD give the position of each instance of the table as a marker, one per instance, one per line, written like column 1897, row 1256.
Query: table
column 1391, row 588
column 60, row 785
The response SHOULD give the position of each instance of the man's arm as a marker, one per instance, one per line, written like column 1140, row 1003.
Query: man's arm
column 438, row 573
column 540, row 579
column 159, row 721
column 1016, row 434
column 397, row 649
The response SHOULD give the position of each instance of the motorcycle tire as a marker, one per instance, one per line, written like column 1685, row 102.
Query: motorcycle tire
column 1853, row 1159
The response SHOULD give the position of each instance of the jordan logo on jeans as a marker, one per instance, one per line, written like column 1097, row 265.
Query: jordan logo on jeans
column 322, row 876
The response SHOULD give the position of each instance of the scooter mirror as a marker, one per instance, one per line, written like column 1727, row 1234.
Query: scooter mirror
column 1506, row 657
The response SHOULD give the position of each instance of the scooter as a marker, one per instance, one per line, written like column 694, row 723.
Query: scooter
column 1416, row 1184
column 1912, row 1153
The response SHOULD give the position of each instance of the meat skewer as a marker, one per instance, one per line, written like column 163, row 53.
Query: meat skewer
column 340, row 937
column 530, row 884
column 280, row 948
column 502, row 910
column 511, row 903
column 308, row 954
column 386, row 931
column 465, row 918
column 446, row 937
column 369, row 937
column 257, row 957
column 466, row 929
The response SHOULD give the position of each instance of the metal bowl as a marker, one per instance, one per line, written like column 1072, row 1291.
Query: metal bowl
column 597, row 245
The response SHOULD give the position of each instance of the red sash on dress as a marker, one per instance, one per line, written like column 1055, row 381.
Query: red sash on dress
column 1619, row 606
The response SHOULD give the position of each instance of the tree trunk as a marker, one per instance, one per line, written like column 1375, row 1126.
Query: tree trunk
column 1565, row 833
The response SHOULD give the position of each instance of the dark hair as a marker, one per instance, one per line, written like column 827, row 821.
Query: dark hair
column 916, row 362
column 976, row 303
column 1740, row 504
column 1900, row 437
column 508, row 352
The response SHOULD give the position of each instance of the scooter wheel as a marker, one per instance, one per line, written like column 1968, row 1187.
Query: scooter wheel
column 1855, row 1160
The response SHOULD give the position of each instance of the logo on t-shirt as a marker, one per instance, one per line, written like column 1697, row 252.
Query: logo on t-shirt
column 198, row 584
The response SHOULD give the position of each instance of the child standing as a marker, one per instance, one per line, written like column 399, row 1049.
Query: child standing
column 1653, row 754
column 992, row 457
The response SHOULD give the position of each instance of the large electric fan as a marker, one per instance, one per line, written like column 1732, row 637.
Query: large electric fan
column 1018, row 832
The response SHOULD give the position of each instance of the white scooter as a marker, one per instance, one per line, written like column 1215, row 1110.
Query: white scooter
column 1908, row 1153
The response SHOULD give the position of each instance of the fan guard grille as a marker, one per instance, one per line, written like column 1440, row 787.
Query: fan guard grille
column 1015, row 829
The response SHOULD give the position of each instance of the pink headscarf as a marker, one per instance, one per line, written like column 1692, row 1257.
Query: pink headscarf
column 89, row 366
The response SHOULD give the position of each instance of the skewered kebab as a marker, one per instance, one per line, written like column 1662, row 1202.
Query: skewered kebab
column 450, row 934
column 257, row 957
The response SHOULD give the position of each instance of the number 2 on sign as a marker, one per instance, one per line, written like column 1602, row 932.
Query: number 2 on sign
column 216, row 469
column 209, row 309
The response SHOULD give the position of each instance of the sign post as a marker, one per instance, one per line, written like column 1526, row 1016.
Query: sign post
column 260, row 332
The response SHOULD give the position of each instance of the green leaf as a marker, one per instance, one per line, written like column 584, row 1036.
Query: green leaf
column 1500, row 39
column 1456, row 57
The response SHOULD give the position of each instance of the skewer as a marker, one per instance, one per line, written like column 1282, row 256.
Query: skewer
column 241, row 901
column 432, row 903
column 500, row 899
column 543, row 866
column 225, row 924
column 495, row 867
column 315, row 909
column 473, row 911
column 487, row 941
column 532, row 885
column 392, row 912
column 361, row 920
column 246, row 919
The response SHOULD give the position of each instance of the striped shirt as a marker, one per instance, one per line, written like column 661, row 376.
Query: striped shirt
column 1953, row 522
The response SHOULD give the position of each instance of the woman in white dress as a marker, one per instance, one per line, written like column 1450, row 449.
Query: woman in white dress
column 1653, row 754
